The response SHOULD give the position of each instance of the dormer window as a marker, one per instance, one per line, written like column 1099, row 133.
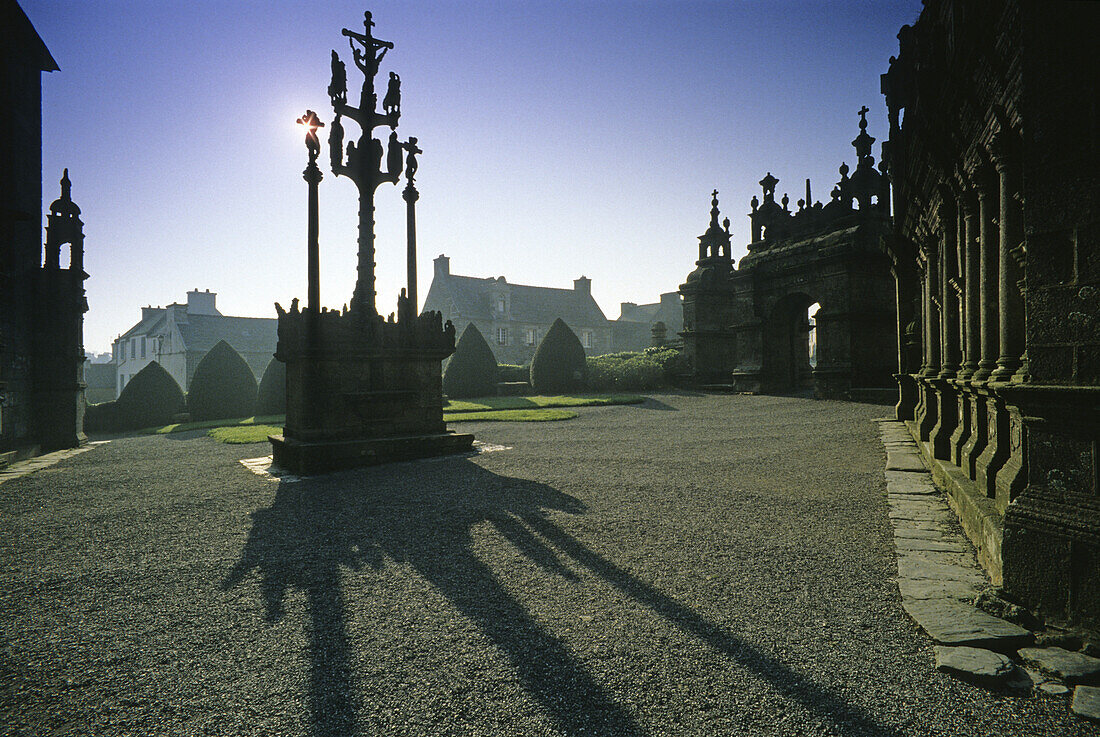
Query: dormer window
column 502, row 303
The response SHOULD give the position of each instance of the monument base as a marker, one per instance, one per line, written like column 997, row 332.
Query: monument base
column 304, row 458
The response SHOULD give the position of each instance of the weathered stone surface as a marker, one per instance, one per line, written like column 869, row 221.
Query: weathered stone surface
column 954, row 623
column 913, row 588
column 975, row 665
column 941, row 558
column 1054, row 688
column 913, row 567
column 904, row 544
column 909, row 482
column 1086, row 702
column 913, row 531
column 902, row 460
column 1062, row 664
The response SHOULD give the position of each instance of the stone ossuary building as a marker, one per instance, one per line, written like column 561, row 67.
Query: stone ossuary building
column 993, row 157
column 180, row 335
column 747, row 327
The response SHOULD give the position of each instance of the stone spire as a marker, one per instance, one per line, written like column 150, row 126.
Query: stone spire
column 715, row 243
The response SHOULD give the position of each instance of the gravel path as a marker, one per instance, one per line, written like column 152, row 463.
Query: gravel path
column 697, row 565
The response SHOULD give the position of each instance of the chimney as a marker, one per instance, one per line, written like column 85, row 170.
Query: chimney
column 201, row 303
column 150, row 312
column 584, row 284
column 625, row 308
column 442, row 265
column 670, row 299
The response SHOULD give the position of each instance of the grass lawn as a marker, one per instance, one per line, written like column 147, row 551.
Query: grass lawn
column 539, row 402
column 481, row 409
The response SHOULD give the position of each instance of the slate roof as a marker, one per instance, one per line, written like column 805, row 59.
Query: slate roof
column 155, row 323
column 473, row 298
column 245, row 334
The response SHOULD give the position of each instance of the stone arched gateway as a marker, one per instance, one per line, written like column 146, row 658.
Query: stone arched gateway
column 746, row 328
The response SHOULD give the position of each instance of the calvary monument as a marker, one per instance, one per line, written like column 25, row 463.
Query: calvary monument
column 362, row 389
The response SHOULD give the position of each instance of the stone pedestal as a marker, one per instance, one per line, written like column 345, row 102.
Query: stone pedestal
column 361, row 391
column 996, row 446
column 907, row 397
column 963, row 426
column 946, row 418
column 979, row 433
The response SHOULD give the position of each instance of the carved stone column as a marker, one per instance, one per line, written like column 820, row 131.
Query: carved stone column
column 987, row 275
column 971, row 289
column 1011, row 302
column 949, row 300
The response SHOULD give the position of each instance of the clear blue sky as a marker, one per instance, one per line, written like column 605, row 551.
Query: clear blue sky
column 560, row 138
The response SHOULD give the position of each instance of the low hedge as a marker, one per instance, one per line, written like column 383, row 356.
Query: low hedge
column 629, row 371
column 514, row 372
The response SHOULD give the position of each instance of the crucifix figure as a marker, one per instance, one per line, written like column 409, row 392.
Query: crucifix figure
column 366, row 59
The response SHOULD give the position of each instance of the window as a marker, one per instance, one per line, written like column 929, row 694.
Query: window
column 133, row 348
column 586, row 338
column 502, row 303
column 502, row 336
column 143, row 346
column 529, row 336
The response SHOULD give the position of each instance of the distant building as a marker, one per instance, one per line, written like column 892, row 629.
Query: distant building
column 179, row 335
column 633, row 331
column 515, row 317
column 42, row 301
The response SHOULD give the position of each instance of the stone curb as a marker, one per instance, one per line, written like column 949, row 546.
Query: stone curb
column 29, row 466
column 939, row 578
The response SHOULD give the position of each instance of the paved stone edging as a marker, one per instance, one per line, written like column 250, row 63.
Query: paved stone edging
column 938, row 575
column 22, row 468
column 939, row 578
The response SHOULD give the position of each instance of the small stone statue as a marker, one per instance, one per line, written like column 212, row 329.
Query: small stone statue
column 393, row 155
column 391, row 103
column 338, row 87
column 376, row 155
column 411, row 163
column 336, row 143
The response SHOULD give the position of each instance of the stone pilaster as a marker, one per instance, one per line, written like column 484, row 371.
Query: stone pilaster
column 971, row 289
column 987, row 276
column 1011, row 232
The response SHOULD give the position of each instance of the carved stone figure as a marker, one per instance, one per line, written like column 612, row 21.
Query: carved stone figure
column 391, row 103
column 338, row 87
column 411, row 163
column 393, row 154
column 336, row 143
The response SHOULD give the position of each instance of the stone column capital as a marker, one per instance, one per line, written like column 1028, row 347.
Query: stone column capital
column 1003, row 150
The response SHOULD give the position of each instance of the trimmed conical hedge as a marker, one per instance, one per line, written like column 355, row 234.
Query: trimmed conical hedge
column 559, row 362
column 151, row 398
column 472, row 370
column 223, row 386
column 271, row 396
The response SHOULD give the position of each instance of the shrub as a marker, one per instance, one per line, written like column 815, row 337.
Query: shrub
column 559, row 363
column 223, row 386
column 472, row 371
column 673, row 362
column 271, row 396
column 101, row 417
column 512, row 372
column 624, row 371
column 149, row 399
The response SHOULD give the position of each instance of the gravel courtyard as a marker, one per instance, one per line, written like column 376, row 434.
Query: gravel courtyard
column 696, row 565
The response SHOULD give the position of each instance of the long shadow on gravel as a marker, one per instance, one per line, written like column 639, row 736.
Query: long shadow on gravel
column 317, row 525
